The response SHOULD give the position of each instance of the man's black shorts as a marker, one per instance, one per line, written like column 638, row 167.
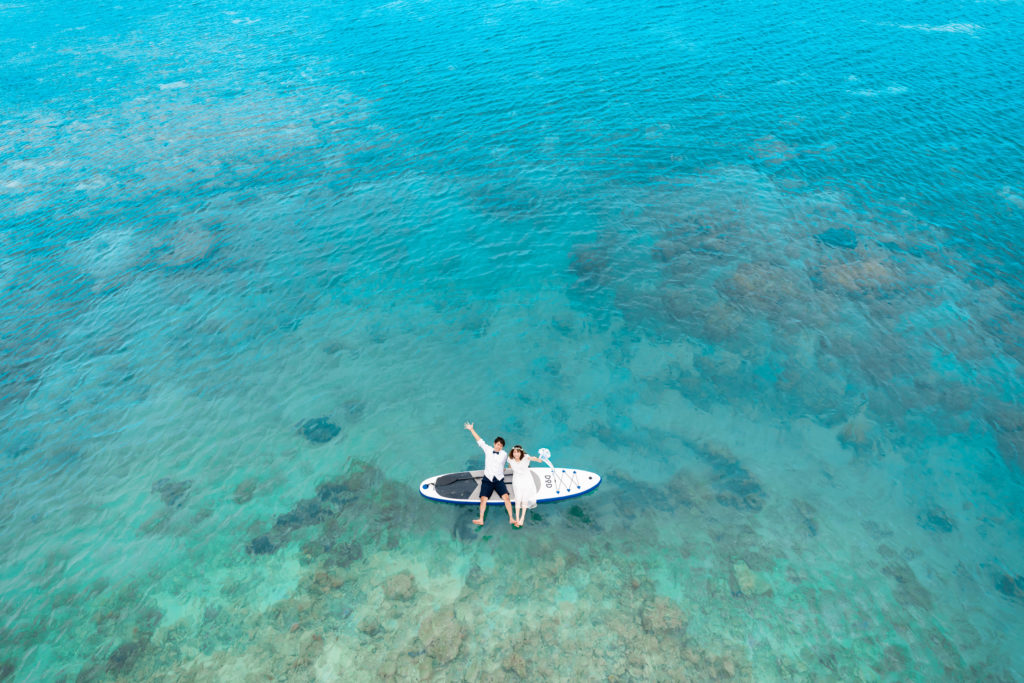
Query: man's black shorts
column 487, row 487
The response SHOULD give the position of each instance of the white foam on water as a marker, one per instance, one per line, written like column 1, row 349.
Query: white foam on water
column 970, row 29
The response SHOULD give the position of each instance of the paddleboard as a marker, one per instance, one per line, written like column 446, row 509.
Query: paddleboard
column 553, row 483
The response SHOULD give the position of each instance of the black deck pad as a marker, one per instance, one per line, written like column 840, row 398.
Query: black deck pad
column 460, row 485
column 463, row 485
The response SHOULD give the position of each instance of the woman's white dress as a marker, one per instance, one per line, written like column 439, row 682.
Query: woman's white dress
column 523, row 486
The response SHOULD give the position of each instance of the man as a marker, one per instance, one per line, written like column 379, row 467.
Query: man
column 494, row 474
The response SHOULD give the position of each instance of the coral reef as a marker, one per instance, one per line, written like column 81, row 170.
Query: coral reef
column 464, row 530
column 441, row 635
column 870, row 277
column 1007, row 422
column 125, row 655
column 838, row 237
column 577, row 515
column 329, row 502
column 261, row 545
column 860, row 433
column 807, row 514
column 1010, row 586
column 747, row 582
column 400, row 586
column 905, row 586
column 812, row 314
column 245, row 491
column 319, row 430
column 382, row 590
column 936, row 519
column 305, row 513
column 661, row 615
column 172, row 493
column 734, row 486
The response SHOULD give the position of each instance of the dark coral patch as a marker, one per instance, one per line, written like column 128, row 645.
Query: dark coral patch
column 838, row 237
column 936, row 519
column 344, row 554
column 807, row 515
column 737, row 489
column 578, row 515
column 751, row 501
column 906, row 588
column 172, row 493
column 261, row 545
column 123, row 658
column 326, row 549
column 90, row 673
column 475, row 577
column 734, row 485
column 319, row 430
column 334, row 492
column 354, row 409
column 464, row 530
column 305, row 513
column 325, row 509
column 245, row 491
column 1010, row 586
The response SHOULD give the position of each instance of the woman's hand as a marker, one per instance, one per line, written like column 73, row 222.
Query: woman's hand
column 468, row 425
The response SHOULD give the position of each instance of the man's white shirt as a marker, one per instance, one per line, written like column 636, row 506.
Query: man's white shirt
column 494, row 464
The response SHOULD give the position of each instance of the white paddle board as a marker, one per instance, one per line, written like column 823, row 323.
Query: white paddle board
column 553, row 483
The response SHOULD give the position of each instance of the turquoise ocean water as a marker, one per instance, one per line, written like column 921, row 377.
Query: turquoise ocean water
column 758, row 264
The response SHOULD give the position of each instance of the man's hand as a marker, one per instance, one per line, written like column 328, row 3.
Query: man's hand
column 469, row 426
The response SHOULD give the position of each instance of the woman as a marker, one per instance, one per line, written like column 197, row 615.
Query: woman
column 523, row 487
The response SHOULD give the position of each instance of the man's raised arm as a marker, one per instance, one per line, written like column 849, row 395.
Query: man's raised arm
column 469, row 426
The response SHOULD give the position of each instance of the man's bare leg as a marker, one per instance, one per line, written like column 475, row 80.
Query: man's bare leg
column 479, row 521
column 508, row 506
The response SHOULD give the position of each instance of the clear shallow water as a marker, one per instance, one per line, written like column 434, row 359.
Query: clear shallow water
column 759, row 266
